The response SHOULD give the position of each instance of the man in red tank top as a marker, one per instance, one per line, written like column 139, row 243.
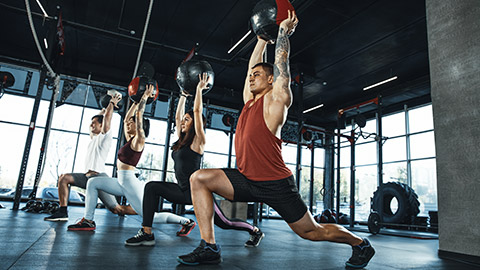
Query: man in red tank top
column 262, row 175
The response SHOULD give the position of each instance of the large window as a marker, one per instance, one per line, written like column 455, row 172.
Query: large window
column 365, row 185
column 395, row 149
column 16, row 109
column 424, row 182
column 422, row 164
column 408, row 157
column 151, row 163
column 289, row 152
column 422, row 145
column 12, row 152
column 216, row 149
column 69, row 134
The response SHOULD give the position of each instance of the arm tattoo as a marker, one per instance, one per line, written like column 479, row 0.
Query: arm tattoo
column 282, row 51
column 139, row 116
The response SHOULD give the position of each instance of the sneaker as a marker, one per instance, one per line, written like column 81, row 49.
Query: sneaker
column 186, row 228
column 82, row 225
column 58, row 216
column 141, row 239
column 361, row 255
column 255, row 239
column 203, row 254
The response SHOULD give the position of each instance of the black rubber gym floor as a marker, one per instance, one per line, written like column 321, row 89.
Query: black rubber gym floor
column 28, row 242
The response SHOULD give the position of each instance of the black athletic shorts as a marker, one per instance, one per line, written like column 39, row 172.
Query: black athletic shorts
column 80, row 179
column 282, row 195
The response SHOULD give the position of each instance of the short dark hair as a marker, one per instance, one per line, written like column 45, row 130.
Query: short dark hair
column 267, row 67
column 99, row 118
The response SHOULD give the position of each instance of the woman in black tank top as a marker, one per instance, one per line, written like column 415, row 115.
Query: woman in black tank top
column 187, row 153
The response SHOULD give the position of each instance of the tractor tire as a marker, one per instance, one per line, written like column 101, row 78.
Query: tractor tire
column 408, row 204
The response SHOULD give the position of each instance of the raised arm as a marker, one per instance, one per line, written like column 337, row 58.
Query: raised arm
column 138, row 141
column 107, row 118
column 180, row 112
column 281, row 69
column 129, row 115
column 199, row 140
column 255, row 58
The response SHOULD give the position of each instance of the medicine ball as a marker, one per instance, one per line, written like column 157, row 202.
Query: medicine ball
column 105, row 100
column 137, row 87
column 228, row 120
column 307, row 135
column 6, row 79
column 343, row 219
column 187, row 75
column 330, row 215
column 361, row 120
column 267, row 16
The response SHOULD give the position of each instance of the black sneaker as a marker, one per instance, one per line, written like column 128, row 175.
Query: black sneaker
column 186, row 228
column 141, row 239
column 203, row 254
column 82, row 225
column 58, row 216
column 361, row 255
column 255, row 239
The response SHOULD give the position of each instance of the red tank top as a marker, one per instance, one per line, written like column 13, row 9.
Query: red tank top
column 129, row 156
column 259, row 152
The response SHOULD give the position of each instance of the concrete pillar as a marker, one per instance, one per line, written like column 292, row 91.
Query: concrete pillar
column 453, row 29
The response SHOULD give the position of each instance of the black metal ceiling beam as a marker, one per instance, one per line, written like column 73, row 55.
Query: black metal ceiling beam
column 174, row 49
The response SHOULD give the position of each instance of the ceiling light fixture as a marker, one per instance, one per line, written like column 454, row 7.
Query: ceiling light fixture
column 240, row 41
column 314, row 108
column 46, row 43
column 379, row 83
column 41, row 7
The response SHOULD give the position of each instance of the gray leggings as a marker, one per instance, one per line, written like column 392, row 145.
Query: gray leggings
column 81, row 179
column 126, row 185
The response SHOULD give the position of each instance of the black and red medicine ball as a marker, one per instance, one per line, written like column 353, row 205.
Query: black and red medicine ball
column 187, row 75
column 6, row 79
column 267, row 16
column 137, row 87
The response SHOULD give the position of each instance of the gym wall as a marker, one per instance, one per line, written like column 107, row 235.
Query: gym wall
column 454, row 50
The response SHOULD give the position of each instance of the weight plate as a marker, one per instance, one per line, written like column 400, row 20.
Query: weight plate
column 374, row 221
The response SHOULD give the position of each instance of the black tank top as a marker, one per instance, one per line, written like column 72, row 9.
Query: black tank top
column 186, row 162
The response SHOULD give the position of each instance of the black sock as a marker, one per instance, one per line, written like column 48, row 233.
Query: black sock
column 213, row 246
column 62, row 209
column 363, row 244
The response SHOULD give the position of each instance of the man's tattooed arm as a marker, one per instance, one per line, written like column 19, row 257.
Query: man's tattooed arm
column 281, row 69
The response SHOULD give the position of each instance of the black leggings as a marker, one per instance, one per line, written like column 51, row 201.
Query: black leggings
column 172, row 193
